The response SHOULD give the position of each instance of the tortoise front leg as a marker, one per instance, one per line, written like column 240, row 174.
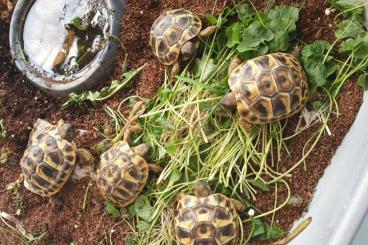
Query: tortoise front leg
column 175, row 70
column 154, row 168
column 84, row 165
column 240, row 207
column 234, row 63
column 248, row 127
column 229, row 100
column 207, row 32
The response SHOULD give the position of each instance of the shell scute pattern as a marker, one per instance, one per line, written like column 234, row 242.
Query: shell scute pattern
column 48, row 162
column 206, row 220
column 170, row 31
column 269, row 88
column 122, row 175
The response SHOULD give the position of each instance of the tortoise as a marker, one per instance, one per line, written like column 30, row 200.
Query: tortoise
column 174, row 37
column 51, row 157
column 123, row 171
column 267, row 88
column 207, row 218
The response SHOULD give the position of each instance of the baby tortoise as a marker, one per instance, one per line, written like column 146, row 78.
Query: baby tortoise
column 267, row 88
column 175, row 37
column 51, row 158
column 207, row 218
column 123, row 171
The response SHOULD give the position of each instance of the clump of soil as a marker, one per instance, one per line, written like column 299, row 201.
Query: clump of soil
column 21, row 104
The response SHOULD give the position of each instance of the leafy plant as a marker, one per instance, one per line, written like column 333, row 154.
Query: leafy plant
column 264, row 230
column 194, row 138
column 352, row 9
column 354, row 39
column 105, row 93
column 261, row 32
column 112, row 210
column 318, row 64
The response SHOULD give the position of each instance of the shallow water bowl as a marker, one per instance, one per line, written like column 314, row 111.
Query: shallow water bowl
column 65, row 46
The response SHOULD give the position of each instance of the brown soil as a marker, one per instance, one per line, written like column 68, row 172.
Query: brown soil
column 21, row 104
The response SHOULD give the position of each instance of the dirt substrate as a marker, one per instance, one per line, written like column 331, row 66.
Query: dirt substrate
column 21, row 104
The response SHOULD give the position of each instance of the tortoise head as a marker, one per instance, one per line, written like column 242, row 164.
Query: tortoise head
column 66, row 131
column 201, row 189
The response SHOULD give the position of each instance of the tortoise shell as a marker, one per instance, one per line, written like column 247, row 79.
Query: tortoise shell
column 206, row 220
column 170, row 31
column 269, row 88
column 122, row 175
column 48, row 162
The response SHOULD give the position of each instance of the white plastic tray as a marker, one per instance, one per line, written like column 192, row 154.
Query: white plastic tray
column 340, row 202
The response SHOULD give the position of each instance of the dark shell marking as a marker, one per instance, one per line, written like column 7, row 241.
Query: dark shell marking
column 122, row 175
column 170, row 31
column 206, row 220
column 48, row 162
column 269, row 88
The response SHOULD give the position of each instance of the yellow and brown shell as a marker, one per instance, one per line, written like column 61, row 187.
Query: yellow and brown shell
column 269, row 88
column 48, row 162
column 170, row 31
column 206, row 220
column 122, row 175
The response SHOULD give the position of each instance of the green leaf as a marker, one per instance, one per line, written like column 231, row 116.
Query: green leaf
column 280, row 42
column 316, row 50
column 112, row 210
column 105, row 93
column 260, row 184
column 212, row 19
column 143, row 226
column 174, row 177
column 78, row 23
column 143, row 208
column 283, row 18
column 265, row 231
column 317, row 66
column 349, row 45
column 348, row 28
column 131, row 210
column 211, row 89
column 233, row 35
column 161, row 153
column 271, row 232
column 257, row 227
column 350, row 8
column 245, row 14
column 171, row 149
column 363, row 81
column 130, row 240
column 256, row 34
column 204, row 67
column 358, row 46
